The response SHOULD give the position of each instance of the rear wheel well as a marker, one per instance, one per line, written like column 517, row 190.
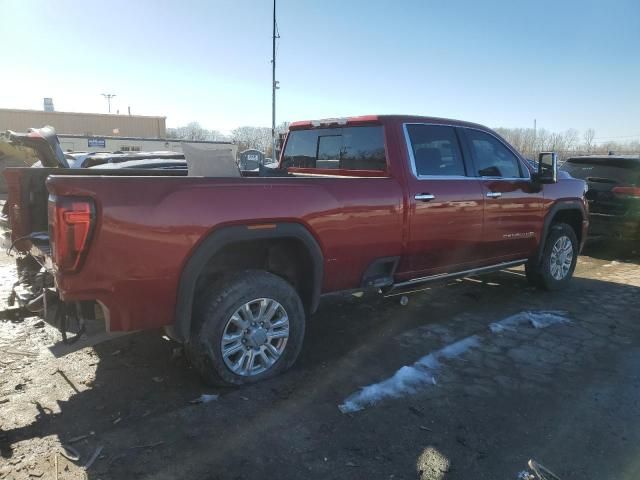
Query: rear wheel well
column 287, row 258
column 571, row 217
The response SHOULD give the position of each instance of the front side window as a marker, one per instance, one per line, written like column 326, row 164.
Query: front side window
column 348, row 148
column 435, row 150
column 491, row 157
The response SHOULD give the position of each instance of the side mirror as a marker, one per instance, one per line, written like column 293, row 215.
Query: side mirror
column 547, row 168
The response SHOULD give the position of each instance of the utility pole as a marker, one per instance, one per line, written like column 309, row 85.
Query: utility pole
column 274, row 85
column 108, row 96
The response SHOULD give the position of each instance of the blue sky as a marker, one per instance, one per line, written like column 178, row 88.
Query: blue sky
column 569, row 64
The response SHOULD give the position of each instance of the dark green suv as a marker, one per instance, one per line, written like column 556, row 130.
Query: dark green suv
column 614, row 193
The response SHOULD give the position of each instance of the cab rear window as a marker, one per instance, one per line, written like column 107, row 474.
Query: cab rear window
column 347, row 148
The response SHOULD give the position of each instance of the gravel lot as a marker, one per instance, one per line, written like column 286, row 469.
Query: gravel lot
column 564, row 393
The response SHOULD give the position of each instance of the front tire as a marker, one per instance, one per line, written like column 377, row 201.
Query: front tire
column 559, row 257
column 248, row 328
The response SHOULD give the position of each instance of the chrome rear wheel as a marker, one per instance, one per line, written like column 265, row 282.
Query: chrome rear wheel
column 255, row 337
column 248, row 326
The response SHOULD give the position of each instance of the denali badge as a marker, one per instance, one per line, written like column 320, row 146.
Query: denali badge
column 519, row 235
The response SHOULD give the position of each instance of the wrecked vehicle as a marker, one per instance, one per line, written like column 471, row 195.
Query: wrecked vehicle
column 232, row 267
column 115, row 159
column 26, row 149
column 40, row 149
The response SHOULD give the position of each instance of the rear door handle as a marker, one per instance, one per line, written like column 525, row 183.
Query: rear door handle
column 494, row 194
column 424, row 197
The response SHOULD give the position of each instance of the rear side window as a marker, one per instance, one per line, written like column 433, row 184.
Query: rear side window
column 436, row 151
column 348, row 148
column 491, row 157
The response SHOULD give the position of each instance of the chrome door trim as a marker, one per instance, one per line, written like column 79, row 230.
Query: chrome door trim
column 463, row 273
column 509, row 179
column 412, row 159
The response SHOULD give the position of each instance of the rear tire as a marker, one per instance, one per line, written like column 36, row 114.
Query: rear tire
column 248, row 328
column 559, row 257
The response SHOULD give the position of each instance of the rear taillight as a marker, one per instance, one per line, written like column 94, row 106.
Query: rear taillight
column 627, row 191
column 70, row 226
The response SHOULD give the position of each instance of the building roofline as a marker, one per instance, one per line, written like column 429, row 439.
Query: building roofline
column 110, row 115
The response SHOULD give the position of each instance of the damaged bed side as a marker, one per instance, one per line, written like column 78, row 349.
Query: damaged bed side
column 24, row 225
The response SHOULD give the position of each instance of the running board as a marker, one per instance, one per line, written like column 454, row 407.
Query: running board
column 448, row 276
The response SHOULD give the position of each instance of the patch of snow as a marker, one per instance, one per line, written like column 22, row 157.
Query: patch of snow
column 205, row 398
column 408, row 379
column 537, row 319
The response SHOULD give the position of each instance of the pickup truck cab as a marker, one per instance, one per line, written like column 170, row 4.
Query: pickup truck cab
column 233, row 266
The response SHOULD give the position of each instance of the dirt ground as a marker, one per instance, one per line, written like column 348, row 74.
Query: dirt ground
column 566, row 395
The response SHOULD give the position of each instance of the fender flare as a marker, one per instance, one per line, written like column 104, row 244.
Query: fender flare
column 224, row 236
column 557, row 207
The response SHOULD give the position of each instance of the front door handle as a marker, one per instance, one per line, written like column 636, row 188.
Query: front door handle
column 424, row 197
column 494, row 194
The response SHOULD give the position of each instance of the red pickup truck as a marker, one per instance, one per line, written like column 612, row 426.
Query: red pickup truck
column 233, row 266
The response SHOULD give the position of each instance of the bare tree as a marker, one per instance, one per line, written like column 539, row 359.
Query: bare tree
column 194, row 131
column 245, row 137
column 571, row 139
column 588, row 137
column 252, row 137
column 527, row 141
column 283, row 127
column 566, row 143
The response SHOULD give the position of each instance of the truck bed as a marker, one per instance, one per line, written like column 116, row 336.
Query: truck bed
column 26, row 206
column 150, row 224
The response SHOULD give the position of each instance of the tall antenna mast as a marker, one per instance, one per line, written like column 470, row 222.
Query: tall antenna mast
column 274, row 85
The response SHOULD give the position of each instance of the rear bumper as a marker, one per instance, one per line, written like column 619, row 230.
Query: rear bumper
column 128, row 304
column 614, row 226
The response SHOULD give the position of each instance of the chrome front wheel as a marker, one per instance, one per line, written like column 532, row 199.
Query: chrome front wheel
column 561, row 258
